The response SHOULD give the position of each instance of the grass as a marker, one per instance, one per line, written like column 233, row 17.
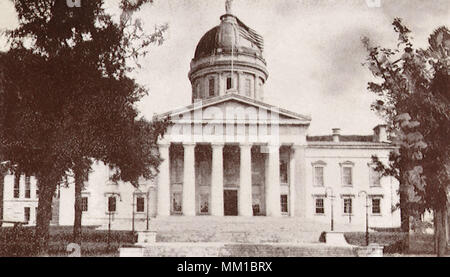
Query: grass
column 19, row 242
column 394, row 241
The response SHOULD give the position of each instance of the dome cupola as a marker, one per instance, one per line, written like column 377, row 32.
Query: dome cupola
column 228, row 59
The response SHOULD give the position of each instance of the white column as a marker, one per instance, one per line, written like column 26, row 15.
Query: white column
column 189, row 180
column 164, row 182
column 291, row 182
column 273, row 204
column 300, row 180
column 245, row 185
column 21, row 186
column 217, row 180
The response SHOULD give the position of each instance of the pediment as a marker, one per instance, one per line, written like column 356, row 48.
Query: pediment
column 237, row 108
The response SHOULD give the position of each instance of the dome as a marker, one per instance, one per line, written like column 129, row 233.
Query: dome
column 231, row 31
column 228, row 59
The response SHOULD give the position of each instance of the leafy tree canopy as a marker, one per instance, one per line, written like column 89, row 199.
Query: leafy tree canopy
column 66, row 95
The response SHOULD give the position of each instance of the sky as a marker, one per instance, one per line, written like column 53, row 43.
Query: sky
column 312, row 47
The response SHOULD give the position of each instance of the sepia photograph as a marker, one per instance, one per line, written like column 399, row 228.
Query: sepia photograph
column 224, row 128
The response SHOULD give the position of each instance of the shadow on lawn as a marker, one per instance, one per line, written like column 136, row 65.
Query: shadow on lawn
column 394, row 242
column 19, row 242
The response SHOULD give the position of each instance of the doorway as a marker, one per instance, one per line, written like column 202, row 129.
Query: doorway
column 230, row 202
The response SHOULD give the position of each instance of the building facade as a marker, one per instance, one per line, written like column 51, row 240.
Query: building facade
column 229, row 153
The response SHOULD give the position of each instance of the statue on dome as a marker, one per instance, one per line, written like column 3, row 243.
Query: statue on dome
column 228, row 6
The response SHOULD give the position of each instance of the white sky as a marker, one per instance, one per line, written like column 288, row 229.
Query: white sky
column 312, row 48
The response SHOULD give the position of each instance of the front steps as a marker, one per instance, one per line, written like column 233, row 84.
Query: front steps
column 235, row 229
column 208, row 236
column 199, row 249
column 229, row 229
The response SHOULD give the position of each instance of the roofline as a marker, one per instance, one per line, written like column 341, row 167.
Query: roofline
column 351, row 145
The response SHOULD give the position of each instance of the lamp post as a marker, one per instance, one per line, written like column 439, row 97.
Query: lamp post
column 110, row 215
column 367, row 215
column 331, row 203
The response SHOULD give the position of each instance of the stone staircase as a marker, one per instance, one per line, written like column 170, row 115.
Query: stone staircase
column 201, row 249
column 235, row 229
column 208, row 236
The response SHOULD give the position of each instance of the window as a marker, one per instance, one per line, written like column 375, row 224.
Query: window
column 27, row 187
column 26, row 213
column 140, row 204
column 211, row 87
column 16, row 186
column 177, row 170
column 318, row 173
column 248, row 88
column 203, row 172
column 204, row 203
column 320, row 208
column 111, row 204
column 37, row 189
column 284, row 203
column 283, row 172
column 374, row 177
column 376, row 206
column 256, row 204
column 229, row 83
column 347, row 206
column 84, row 204
column 318, row 176
column 347, row 176
column 176, row 202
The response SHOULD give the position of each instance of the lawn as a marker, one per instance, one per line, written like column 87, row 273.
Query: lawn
column 419, row 244
column 94, row 242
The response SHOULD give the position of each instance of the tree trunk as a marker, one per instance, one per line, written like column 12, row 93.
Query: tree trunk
column 447, row 231
column 404, row 218
column 44, row 215
column 78, row 209
column 439, row 231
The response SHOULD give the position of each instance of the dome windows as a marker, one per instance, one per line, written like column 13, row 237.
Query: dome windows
column 229, row 83
column 211, row 87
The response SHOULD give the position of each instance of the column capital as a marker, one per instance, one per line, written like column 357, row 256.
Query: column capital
column 245, row 144
column 296, row 147
column 188, row 144
column 164, row 144
column 273, row 147
column 217, row 144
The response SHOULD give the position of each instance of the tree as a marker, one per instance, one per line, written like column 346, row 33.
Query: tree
column 413, row 98
column 67, row 98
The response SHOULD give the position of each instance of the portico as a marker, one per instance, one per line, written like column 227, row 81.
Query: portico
column 226, row 179
column 232, row 155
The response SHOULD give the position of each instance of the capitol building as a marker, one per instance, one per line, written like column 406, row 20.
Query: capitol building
column 230, row 154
